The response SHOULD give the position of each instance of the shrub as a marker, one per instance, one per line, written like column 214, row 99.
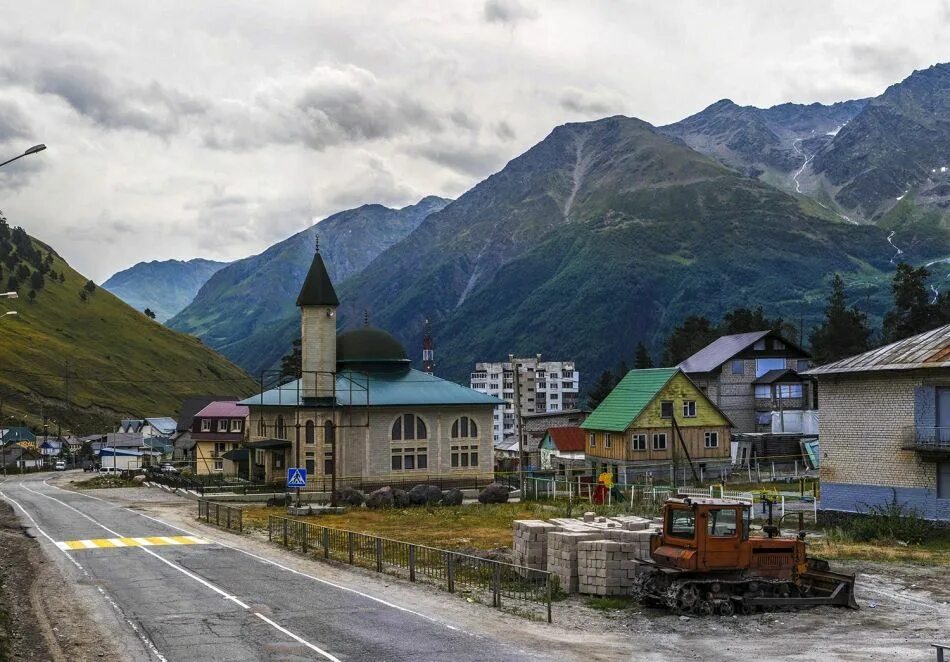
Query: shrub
column 890, row 521
column 494, row 493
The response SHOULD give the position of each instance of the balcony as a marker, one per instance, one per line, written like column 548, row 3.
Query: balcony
column 932, row 443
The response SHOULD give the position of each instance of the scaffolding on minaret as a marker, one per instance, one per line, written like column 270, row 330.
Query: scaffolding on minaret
column 428, row 351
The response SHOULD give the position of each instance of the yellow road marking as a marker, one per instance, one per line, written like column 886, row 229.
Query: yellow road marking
column 152, row 541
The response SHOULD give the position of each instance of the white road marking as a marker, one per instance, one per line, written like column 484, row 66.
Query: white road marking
column 150, row 646
column 268, row 561
column 191, row 575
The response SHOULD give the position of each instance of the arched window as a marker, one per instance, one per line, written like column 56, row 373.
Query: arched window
column 409, row 427
column 464, row 428
column 310, row 435
column 261, row 427
column 279, row 430
column 329, row 432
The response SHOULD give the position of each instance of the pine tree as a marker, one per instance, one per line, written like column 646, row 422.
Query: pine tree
column 844, row 331
column 291, row 363
column 62, row 277
column 913, row 311
column 13, row 284
column 149, row 313
column 36, row 280
column 89, row 286
column 31, row 295
column 83, row 296
column 642, row 360
column 602, row 388
column 691, row 336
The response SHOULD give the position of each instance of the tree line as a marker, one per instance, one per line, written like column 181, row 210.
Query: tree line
column 844, row 331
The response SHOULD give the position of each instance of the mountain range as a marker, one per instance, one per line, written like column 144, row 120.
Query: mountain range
column 610, row 232
column 83, row 359
column 247, row 310
column 164, row 287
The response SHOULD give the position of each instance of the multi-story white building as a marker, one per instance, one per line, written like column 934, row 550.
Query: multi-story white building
column 544, row 386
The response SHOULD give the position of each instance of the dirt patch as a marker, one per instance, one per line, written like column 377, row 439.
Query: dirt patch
column 39, row 620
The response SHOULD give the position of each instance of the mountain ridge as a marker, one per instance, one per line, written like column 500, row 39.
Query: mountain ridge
column 163, row 286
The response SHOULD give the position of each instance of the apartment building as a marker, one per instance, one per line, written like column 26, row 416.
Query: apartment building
column 543, row 387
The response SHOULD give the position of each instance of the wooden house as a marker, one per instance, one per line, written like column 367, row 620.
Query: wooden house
column 652, row 420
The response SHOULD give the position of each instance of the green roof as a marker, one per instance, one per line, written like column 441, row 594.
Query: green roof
column 628, row 399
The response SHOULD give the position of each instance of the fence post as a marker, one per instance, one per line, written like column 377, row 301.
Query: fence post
column 412, row 563
column 217, row 514
column 496, row 586
column 285, row 532
column 305, row 538
column 450, row 571
column 270, row 529
column 229, row 519
column 349, row 546
column 548, row 584
column 326, row 543
column 241, row 520
column 379, row 554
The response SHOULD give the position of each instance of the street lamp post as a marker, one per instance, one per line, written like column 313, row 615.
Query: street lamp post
column 33, row 150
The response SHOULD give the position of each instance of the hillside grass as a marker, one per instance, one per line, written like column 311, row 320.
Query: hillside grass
column 120, row 362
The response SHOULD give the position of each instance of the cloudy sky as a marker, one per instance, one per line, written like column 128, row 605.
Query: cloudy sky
column 195, row 128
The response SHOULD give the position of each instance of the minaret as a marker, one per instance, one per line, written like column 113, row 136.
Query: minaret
column 428, row 351
column 318, row 303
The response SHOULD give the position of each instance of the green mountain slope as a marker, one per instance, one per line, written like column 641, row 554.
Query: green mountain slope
column 247, row 311
column 87, row 363
column 604, row 234
column 165, row 287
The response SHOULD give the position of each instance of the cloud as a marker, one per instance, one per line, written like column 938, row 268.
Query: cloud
column 587, row 103
column 13, row 123
column 111, row 103
column 504, row 131
column 330, row 106
column 508, row 12
column 373, row 182
column 471, row 159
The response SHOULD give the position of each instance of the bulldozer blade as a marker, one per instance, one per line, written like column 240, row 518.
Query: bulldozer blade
column 838, row 587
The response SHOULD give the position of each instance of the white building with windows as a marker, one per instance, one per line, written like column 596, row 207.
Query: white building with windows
column 544, row 387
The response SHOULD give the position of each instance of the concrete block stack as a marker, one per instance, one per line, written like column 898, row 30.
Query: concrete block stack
column 530, row 543
column 605, row 567
column 562, row 556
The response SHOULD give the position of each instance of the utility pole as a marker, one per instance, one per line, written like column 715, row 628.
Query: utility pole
column 516, row 377
column 3, row 447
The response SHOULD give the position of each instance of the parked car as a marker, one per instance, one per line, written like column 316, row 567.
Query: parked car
column 60, row 465
column 169, row 468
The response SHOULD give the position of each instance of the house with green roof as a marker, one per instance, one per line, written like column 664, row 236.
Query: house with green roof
column 652, row 420
column 359, row 411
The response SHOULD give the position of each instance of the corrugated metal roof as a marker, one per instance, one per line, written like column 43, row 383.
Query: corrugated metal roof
column 930, row 349
column 628, row 399
column 779, row 374
column 226, row 409
column 381, row 389
column 719, row 351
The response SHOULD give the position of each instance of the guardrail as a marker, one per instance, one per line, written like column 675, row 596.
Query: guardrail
column 484, row 580
column 218, row 514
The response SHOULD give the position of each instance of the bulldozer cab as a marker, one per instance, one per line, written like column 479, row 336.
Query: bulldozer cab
column 703, row 534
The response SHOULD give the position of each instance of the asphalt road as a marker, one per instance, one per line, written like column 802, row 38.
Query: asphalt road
column 212, row 602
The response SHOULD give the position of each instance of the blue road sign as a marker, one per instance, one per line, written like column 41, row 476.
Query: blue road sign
column 296, row 477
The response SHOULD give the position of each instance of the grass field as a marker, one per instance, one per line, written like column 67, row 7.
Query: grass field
column 835, row 547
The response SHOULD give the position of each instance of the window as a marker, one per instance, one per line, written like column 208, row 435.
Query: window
column 464, row 456
column 790, row 390
column 722, row 523
column 219, row 448
column 280, row 431
column 762, row 366
column 689, row 408
column 711, row 439
column 738, row 367
column 943, row 480
column 219, row 465
column 777, row 344
column 278, row 460
column 310, row 433
column 763, row 391
column 409, row 459
column 311, row 466
column 666, row 409
column 261, row 427
column 593, row 440
column 464, row 428
column 222, row 425
column 608, row 439
column 759, row 345
column 206, row 425
column 802, row 365
column 638, row 442
column 237, row 425
column 681, row 524
column 409, row 427
column 328, row 464
column 659, row 441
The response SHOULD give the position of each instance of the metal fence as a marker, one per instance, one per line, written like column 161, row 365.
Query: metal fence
column 218, row 514
column 483, row 580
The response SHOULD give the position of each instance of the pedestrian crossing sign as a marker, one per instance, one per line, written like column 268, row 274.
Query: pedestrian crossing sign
column 296, row 477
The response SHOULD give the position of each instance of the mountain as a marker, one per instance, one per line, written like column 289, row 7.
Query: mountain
column 770, row 142
column 603, row 234
column 897, row 146
column 247, row 309
column 164, row 287
column 83, row 358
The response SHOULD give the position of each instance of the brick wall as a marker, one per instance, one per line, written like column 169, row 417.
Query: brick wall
column 855, row 498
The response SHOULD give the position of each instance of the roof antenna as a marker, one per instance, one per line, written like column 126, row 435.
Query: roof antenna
column 317, row 237
column 365, row 317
